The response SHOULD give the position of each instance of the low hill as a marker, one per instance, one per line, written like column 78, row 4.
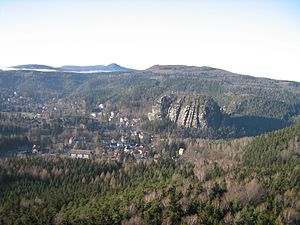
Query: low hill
column 171, row 69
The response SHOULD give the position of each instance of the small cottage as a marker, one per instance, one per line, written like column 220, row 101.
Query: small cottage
column 181, row 151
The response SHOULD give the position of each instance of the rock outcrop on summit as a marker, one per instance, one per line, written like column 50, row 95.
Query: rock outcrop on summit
column 188, row 111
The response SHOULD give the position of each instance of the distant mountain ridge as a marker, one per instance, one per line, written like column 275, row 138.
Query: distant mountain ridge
column 109, row 68
column 34, row 67
column 73, row 68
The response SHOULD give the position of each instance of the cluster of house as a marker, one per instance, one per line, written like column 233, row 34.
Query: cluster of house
column 26, row 150
column 98, row 111
column 115, row 148
column 121, row 121
column 16, row 102
column 11, row 102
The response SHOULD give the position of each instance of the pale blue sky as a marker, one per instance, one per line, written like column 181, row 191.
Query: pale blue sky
column 260, row 38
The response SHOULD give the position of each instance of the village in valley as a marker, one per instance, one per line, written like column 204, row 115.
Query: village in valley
column 66, row 128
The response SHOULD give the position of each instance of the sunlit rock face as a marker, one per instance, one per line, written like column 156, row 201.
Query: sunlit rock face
column 188, row 111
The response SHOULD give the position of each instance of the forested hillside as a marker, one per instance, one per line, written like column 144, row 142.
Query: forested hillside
column 251, row 106
column 262, row 187
column 236, row 94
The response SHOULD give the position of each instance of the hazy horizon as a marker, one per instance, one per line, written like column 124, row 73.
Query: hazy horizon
column 259, row 38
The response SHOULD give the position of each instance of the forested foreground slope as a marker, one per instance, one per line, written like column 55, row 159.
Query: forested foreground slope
column 263, row 187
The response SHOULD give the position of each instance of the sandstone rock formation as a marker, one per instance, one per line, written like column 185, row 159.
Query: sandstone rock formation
column 187, row 111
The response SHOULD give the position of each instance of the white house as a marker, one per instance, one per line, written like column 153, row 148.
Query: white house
column 181, row 151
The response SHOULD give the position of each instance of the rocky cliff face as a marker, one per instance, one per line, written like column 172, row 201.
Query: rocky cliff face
column 188, row 111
